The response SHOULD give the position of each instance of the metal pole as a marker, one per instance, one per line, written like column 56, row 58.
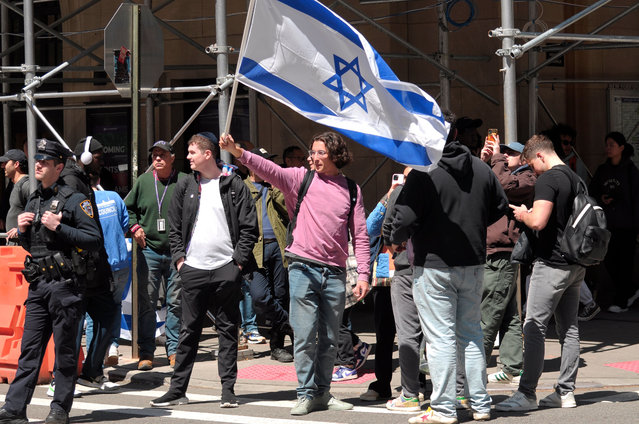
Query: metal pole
column 444, row 82
column 29, row 61
column 583, row 37
column 517, row 50
column 508, row 69
column 135, row 122
column 150, row 108
column 423, row 55
column 222, row 68
column 577, row 43
column 6, row 111
column 533, row 110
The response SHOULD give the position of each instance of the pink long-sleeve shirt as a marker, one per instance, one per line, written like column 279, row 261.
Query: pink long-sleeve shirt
column 321, row 232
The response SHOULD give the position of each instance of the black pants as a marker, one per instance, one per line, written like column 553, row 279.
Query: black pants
column 620, row 263
column 385, row 340
column 219, row 291
column 55, row 307
column 269, row 290
column 347, row 340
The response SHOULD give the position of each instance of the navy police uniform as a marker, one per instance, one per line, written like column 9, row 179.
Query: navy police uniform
column 56, row 270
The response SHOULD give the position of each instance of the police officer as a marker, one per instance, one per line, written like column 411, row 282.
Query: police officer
column 57, row 229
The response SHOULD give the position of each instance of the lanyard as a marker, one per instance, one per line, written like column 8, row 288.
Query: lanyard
column 157, row 195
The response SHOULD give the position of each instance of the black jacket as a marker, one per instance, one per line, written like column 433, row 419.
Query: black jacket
column 240, row 217
column 447, row 211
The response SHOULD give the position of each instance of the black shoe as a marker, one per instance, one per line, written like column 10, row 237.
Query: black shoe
column 10, row 418
column 170, row 398
column 228, row 399
column 588, row 312
column 57, row 416
column 281, row 355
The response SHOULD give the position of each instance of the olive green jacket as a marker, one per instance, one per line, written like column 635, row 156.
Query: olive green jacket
column 277, row 215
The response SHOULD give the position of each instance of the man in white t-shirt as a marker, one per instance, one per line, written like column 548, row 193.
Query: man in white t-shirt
column 213, row 228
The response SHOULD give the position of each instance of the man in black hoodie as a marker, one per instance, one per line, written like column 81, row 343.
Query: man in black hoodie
column 445, row 213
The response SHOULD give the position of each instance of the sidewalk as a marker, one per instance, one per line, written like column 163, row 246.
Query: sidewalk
column 609, row 358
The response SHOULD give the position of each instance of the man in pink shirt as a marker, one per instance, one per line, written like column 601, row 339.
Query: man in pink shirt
column 317, row 259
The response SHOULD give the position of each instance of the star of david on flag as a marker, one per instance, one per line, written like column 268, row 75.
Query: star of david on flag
column 304, row 55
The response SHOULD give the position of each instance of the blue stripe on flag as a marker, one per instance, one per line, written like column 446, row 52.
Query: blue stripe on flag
column 400, row 151
column 385, row 72
column 324, row 15
column 302, row 100
column 415, row 103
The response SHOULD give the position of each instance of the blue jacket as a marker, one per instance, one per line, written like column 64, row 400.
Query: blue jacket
column 114, row 219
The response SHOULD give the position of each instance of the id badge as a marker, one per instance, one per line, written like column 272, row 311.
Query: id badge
column 161, row 225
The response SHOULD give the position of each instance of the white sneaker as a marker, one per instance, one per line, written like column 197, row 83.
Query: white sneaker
column 51, row 390
column 100, row 382
column 616, row 309
column 112, row 356
column 500, row 377
column 555, row 400
column 517, row 402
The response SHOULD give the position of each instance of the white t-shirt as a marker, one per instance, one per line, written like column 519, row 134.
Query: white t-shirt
column 211, row 246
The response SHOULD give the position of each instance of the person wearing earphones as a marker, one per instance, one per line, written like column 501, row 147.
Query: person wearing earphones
column 90, row 157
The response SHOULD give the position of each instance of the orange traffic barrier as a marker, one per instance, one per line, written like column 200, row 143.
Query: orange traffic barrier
column 13, row 293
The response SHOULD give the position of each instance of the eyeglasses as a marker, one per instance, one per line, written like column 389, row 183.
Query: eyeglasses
column 320, row 153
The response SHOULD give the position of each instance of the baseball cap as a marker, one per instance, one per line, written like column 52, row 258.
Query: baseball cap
column 164, row 145
column 13, row 154
column 466, row 122
column 50, row 149
column 94, row 146
column 513, row 145
column 261, row 151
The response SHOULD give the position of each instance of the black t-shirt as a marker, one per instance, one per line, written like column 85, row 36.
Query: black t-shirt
column 556, row 187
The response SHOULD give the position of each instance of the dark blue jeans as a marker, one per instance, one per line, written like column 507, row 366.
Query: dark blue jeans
column 269, row 287
column 100, row 308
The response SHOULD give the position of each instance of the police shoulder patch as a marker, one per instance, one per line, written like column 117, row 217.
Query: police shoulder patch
column 87, row 208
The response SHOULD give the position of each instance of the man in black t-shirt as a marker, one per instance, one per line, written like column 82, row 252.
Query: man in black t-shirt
column 554, row 283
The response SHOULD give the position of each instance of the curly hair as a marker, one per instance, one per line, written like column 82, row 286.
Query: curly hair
column 336, row 148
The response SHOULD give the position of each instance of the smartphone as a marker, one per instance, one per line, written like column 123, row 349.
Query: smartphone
column 492, row 132
column 398, row 179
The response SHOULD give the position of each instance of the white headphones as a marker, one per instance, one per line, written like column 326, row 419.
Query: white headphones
column 86, row 157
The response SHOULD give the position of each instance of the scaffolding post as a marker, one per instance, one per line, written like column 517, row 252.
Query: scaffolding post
column 444, row 82
column 508, row 69
column 29, row 62
column 135, row 134
column 533, row 110
column 150, row 108
column 222, row 68
column 6, row 111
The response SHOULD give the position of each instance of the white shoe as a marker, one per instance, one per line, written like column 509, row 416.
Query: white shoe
column 517, row 402
column 51, row 391
column 555, row 400
column 500, row 377
column 617, row 309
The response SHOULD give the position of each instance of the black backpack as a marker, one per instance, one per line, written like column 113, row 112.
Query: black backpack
column 306, row 182
column 585, row 238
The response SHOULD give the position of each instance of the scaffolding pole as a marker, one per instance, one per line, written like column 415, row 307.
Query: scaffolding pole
column 533, row 87
column 150, row 107
column 29, row 62
column 444, row 56
column 6, row 110
column 223, row 50
column 508, row 70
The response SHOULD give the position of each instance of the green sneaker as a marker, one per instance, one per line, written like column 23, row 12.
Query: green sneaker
column 303, row 406
column 462, row 403
column 401, row 403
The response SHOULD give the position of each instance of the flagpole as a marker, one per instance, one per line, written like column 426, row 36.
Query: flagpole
column 229, row 115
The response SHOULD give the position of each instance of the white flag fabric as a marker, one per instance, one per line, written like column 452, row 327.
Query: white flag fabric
column 304, row 55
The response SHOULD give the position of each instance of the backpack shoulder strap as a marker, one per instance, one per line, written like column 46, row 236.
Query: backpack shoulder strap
column 352, row 193
column 306, row 182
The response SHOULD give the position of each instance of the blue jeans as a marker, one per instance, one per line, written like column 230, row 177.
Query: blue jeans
column 448, row 302
column 155, row 269
column 120, row 279
column 317, row 303
column 99, row 307
column 249, row 321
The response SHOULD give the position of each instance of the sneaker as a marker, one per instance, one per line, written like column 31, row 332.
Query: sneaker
column 330, row 402
column 462, row 403
column 616, row 309
column 555, row 400
column 255, row 337
column 228, row 399
column 100, row 382
column 500, row 377
column 517, row 378
column 51, row 390
column 517, row 402
column 169, row 399
column 481, row 416
column 281, row 355
column 303, row 406
column 633, row 298
column 344, row 373
column 372, row 395
column 401, row 403
column 112, row 356
column 361, row 354
column 588, row 312
column 431, row 416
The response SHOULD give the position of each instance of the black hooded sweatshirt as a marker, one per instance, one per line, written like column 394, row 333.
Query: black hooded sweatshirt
column 446, row 212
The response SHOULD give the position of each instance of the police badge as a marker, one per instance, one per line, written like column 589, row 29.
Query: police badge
column 87, row 208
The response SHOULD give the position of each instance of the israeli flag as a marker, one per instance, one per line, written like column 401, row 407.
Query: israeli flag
column 302, row 54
